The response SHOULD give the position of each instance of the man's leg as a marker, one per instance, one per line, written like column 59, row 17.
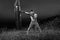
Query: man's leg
column 34, row 26
column 29, row 27
column 37, row 27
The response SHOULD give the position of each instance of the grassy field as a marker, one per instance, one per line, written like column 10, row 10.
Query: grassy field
column 21, row 35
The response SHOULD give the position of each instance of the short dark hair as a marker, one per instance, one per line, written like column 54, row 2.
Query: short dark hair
column 31, row 10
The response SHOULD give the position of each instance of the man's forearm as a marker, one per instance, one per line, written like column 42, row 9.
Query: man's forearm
column 27, row 12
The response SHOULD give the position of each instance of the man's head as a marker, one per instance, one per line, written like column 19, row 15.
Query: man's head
column 31, row 10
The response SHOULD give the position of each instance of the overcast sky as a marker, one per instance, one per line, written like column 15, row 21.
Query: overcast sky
column 46, row 7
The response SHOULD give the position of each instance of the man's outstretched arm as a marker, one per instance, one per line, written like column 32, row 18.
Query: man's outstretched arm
column 27, row 12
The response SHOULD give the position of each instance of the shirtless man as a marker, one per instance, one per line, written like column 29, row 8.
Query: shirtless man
column 34, row 22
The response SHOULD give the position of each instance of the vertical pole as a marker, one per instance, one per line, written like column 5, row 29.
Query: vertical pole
column 17, row 10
